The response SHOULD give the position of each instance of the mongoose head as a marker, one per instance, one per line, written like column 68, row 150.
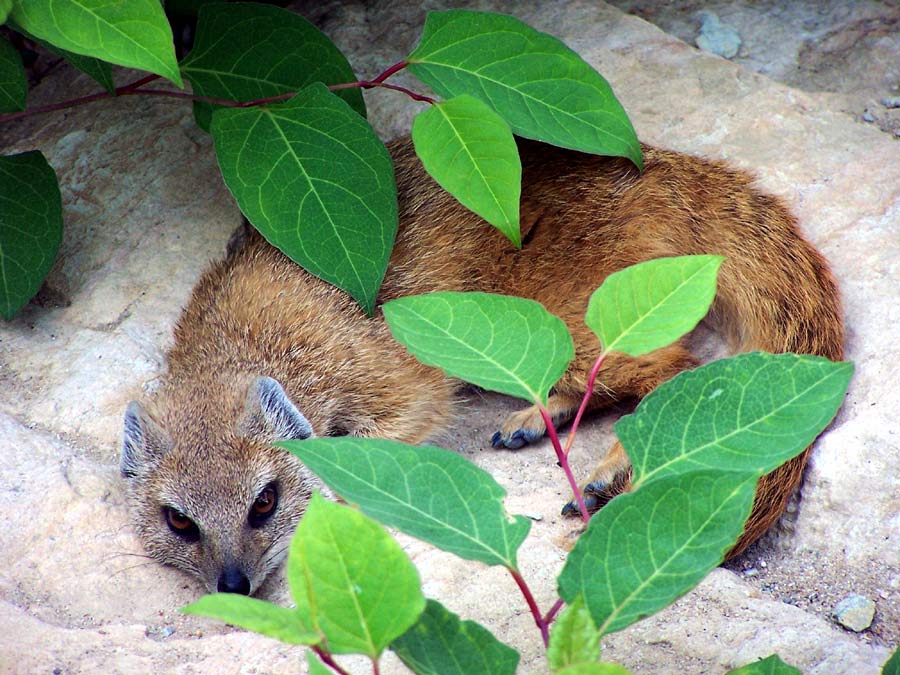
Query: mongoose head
column 215, row 498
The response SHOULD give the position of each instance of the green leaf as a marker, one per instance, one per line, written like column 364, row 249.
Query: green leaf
column 646, row 548
column 351, row 580
column 892, row 666
column 5, row 9
column 315, row 666
column 470, row 151
column 101, row 71
column 30, row 227
column 574, row 638
column 543, row 89
column 593, row 669
column 652, row 304
column 13, row 85
column 440, row 644
column 314, row 179
column 256, row 615
column 751, row 412
column 134, row 34
column 429, row 493
column 510, row 345
column 247, row 51
column 771, row 665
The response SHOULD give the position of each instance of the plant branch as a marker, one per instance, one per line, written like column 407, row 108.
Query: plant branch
column 539, row 621
column 563, row 460
column 136, row 88
column 551, row 614
column 592, row 378
column 327, row 659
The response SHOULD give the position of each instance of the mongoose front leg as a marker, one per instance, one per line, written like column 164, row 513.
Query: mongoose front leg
column 527, row 426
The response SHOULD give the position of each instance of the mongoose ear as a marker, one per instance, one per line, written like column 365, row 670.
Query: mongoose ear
column 271, row 416
column 144, row 442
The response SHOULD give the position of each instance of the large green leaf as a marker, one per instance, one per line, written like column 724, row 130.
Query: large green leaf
column 249, row 51
column 30, row 227
column 429, row 493
column 5, row 9
column 646, row 548
column 771, row 665
column 256, row 615
column 510, row 345
column 101, row 71
column 13, row 85
column 892, row 665
column 574, row 638
column 470, row 151
column 440, row 644
column 135, row 33
column 751, row 412
column 652, row 304
column 351, row 580
column 541, row 88
column 314, row 179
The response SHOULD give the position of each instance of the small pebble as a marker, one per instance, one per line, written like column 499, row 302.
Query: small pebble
column 166, row 631
column 891, row 102
column 854, row 612
column 751, row 572
column 717, row 37
column 534, row 516
column 867, row 116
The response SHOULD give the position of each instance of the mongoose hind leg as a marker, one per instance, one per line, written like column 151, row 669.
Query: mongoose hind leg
column 610, row 478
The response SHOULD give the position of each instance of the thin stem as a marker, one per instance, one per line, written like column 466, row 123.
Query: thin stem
column 550, row 615
column 396, row 68
column 328, row 660
column 532, row 605
column 564, row 463
column 584, row 402
column 135, row 88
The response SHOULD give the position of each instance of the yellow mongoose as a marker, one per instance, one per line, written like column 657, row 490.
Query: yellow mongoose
column 266, row 351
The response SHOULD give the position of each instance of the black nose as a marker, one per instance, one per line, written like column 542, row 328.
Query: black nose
column 233, row 580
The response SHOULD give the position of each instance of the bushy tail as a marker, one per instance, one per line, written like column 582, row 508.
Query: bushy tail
column 777, row 294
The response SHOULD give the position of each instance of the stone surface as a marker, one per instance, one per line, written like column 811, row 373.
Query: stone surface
column 145, row 209
column 718, row 38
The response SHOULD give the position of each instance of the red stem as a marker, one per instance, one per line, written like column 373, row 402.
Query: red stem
column 549, row 616
column 542, row 625
column 584, row 402
column 134, row 88
column 564, row 463
column 328, row 660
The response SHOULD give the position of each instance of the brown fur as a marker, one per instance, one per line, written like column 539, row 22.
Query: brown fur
column 583, row 217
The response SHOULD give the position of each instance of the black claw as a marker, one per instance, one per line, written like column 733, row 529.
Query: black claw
column 595, row 488
column 497, row 440
column 517, row 440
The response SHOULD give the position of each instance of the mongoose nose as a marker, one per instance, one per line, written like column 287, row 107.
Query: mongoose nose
column 233, row 580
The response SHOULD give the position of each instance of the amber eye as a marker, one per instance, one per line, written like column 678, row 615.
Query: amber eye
column 180, row 524
column 263, row 506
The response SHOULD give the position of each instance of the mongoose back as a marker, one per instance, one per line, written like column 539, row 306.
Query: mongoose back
column 266, row 351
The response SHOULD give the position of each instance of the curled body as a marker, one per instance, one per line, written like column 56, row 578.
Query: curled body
column 265, row 351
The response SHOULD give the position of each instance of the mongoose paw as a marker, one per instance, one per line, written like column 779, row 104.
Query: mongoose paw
column 520, row 428
column 595, row 494
column 515, row 440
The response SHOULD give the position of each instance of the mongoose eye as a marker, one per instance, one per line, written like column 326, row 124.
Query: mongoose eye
column 180, row 524
column 263, row 506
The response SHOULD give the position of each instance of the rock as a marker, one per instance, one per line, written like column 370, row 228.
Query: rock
column 718, row 38
column 854, row 612
column 145, row 209
column 891, row 102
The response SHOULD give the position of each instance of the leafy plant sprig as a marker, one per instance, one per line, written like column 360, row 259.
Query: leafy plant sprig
column 281, row 101
column 694, row 480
